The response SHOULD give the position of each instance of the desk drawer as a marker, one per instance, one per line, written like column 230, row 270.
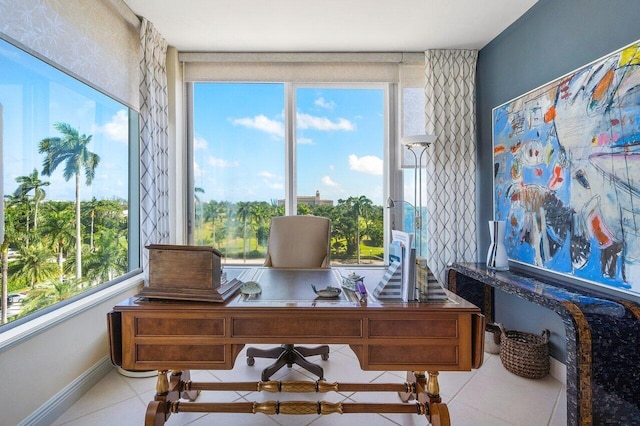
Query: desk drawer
column 391, row 357
column 154, row 326
column 412, row 328
column 297, row 327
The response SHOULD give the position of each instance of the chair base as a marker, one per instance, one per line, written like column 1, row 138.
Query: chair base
column 289, row 355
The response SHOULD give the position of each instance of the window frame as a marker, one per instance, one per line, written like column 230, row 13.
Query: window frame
column 38, row 321
column 392, row 175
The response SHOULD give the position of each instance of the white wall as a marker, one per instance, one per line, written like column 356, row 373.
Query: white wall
column 41, row 365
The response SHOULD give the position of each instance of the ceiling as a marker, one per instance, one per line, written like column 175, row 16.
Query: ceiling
column 329, row 25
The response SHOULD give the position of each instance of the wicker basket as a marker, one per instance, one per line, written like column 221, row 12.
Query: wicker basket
column 525, row 354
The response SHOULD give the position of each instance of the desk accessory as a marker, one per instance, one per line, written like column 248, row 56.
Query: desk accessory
column 187, row 273
column 390, row 286
column 327, row 292
column 351, row 281
column 250, row 287
column 429, row 289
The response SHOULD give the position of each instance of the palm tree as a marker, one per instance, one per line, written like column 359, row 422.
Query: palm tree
column 212, row 212
column 72, row 150
column 57, row 227
column 10, row 237
column 47, row 294
column 33, row 183
column 22, row 214
column 109, row 258
column 35, row 264
column 243, row 212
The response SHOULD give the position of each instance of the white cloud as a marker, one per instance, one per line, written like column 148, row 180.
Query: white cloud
column 118, row 128
column 307, row 121
column 266, row 175
column 328, row 182
column 221, row 163
column 270, row 180
column 324, row 104
column 197, row 170
column 199, row 143
column 262, row 123
column 306, row 141
column 369, row 164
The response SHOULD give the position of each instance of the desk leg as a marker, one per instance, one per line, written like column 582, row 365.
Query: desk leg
column 428, row 392
column 178, row 379
column 438, row 412
column 167, row 392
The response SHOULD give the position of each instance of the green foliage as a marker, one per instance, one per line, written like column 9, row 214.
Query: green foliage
column 241, row 231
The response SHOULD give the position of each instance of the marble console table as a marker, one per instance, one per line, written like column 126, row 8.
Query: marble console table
column 603, row 339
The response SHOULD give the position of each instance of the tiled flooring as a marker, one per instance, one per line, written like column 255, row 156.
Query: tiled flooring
column 489, row 396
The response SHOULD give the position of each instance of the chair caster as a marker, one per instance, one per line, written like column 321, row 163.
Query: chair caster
column 250, row 361
column 324, row 357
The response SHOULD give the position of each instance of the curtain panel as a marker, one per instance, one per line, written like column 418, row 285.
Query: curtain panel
column 451, row 160
column 154, row 141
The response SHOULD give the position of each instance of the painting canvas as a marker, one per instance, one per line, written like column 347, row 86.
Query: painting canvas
column 567, row 173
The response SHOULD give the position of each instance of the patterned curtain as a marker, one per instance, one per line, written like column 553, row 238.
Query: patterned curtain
column 154, row 141
column 451, row 160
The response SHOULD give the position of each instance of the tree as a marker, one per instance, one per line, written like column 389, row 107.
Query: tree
column 57, row 226
column 10, row 237
column 212, row 212
column 30, row 183
column 35, row 264
column 243, row 212
column 109, row 259
column 356, row 206
column 72, row 150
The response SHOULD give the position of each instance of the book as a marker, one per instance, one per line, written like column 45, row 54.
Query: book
column 405, row 240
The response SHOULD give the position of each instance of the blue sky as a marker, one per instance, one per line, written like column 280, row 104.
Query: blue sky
column 239, row 142
column 239, row 135
column 34, row 96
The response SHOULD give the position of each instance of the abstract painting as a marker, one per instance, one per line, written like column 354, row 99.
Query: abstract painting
column 567, row 173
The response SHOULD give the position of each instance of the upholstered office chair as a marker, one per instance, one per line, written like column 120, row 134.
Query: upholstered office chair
column 300, row 242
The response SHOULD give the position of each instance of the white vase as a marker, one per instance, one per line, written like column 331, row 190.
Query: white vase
column 497, row 255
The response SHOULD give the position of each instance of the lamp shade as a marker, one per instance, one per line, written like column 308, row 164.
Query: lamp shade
column 418, row 140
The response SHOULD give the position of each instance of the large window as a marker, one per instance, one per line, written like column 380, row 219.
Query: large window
column 65, row 184
column 262, row 150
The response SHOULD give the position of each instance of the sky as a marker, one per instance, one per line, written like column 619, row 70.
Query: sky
column 239, row 144
column 34, row 96
column 239, row 148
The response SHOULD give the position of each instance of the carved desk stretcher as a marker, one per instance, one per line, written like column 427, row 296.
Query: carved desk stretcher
column 178, row 336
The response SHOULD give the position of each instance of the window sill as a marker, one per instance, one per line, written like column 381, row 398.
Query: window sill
column 42, row 323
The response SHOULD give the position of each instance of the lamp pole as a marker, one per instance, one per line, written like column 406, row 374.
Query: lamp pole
column 414, row 143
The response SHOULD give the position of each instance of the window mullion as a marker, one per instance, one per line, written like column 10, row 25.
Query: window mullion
column 290, row 149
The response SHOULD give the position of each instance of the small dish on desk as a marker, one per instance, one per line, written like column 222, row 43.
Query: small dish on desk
column 327, row 292
column 251, row 287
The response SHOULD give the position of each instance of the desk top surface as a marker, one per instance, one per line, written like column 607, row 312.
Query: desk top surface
column 291, row 288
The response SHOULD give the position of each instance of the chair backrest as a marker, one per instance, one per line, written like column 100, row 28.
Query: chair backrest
column 299, row 242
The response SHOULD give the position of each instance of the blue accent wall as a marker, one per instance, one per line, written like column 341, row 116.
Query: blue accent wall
column 553, row 38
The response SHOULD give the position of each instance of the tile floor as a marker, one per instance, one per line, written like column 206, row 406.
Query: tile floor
column 488, row 396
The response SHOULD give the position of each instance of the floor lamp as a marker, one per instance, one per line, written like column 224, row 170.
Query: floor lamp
column 428, row 287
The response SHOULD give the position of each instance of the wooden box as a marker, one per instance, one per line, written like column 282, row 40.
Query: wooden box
column 183, row 272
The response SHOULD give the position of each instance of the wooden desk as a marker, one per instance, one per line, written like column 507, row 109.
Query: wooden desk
column 179, row 336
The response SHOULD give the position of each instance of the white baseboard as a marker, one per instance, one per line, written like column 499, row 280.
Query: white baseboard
column 558, row 371
column 49, row 412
